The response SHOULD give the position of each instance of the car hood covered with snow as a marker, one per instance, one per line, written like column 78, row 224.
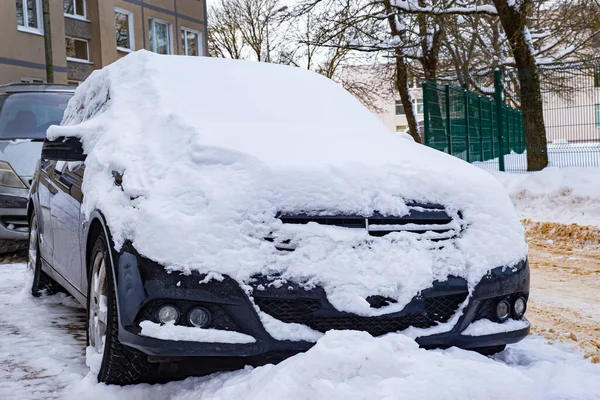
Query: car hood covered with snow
column 211, row 151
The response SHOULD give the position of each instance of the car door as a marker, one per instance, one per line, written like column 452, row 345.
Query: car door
column 44, row 190
column 65, row 210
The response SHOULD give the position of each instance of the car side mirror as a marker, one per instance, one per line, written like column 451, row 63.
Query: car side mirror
column 63, row 149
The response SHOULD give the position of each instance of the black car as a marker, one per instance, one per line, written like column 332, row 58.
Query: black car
column 80, row 244
column 121, row 289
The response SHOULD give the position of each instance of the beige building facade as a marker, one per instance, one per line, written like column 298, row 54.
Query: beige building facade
column 89, row 34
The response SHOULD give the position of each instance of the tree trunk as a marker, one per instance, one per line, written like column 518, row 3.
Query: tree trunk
column 532, row 105
column 405, row 97
column 402, row 76
column 48, row 41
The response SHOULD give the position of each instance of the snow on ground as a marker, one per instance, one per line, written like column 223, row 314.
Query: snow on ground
column 564, row 302
column 563, row 195
column 42, row 343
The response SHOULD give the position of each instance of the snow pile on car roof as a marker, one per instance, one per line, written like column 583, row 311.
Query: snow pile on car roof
column 211, row 150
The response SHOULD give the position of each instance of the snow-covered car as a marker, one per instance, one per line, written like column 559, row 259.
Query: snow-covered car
column 26, row 112
column 213, row 212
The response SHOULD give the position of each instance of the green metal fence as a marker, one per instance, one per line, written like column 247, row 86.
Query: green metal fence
column 466, row 125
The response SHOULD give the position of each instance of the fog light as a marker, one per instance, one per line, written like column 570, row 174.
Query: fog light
column 503, row 310
column 167, row 314
column 199, row 317
column 519, row 307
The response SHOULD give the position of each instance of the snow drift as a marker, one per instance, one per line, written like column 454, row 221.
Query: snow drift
column 563, row 195
column 211, row 150
column 354, row 365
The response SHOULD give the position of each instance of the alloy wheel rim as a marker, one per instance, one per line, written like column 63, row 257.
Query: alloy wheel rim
column 33, row 245
column 98, row 303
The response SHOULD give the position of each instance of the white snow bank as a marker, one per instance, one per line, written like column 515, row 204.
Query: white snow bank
column 486, row 327
column 353, row 365
column 41, row 358
column 564, row 195
column 210, row 150
column 171, row 331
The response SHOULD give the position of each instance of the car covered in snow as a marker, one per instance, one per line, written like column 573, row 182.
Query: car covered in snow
column 212, row 213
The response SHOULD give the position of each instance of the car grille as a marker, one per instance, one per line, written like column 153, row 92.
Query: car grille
column 426, row 220
column 304, row 311
column 12, row 202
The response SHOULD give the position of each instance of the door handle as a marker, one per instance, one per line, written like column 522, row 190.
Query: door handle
column 52, row 189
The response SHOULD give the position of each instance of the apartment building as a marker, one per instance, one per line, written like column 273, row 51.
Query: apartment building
column 89, row 34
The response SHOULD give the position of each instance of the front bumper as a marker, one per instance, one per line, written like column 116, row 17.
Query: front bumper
column 141, row 282
column 13, row 214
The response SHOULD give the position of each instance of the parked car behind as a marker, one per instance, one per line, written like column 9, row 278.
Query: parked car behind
column 211, row 212
column 26, row 112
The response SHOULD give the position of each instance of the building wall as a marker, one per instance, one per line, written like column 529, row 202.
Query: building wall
column 387, row 112
column 22, row 53
column 572, row 119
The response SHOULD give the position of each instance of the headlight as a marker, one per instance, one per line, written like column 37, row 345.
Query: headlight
column 9, row 178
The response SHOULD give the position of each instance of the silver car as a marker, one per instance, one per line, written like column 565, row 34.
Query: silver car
column 26, row 112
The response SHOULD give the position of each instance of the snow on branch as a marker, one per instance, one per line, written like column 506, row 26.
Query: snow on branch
column 412, row 6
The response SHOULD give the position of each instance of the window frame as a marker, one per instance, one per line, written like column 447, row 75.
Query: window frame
column 30, row 80
column 152, row 41
column 415, row 102
column 26, row 28
column 198, row 40
column 597, row 109
column 130, row 28
column 75, row 15
column 80, row 60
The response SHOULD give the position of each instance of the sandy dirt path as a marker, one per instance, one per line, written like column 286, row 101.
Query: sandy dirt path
column 565, row 284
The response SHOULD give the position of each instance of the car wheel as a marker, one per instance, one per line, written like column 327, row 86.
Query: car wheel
column 491, row 350
column 42, row 283
column 120, row 364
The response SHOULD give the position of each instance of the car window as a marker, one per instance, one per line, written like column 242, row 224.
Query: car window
column 28, row 115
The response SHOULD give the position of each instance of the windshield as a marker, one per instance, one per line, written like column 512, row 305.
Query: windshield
column 28, row 115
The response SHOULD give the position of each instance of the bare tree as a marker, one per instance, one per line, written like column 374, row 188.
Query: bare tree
column 224, row 36
column 240, row 28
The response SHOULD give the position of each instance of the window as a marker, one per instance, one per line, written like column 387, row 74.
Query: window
column 25, row 79
column 75, row 8
column 418, row 104
column 597, row 76
column 29, row 15
column 124, row 29
column 191, row 42
column 597, row 115
column 399, row 108
column 401, row 128
column 77, row 49
column 28, row 115
column 159, row 33
column 74, row 82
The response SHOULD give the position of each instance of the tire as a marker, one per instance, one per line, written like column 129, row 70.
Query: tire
column 491, row 350
column 121, row 365
column 42, row 283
